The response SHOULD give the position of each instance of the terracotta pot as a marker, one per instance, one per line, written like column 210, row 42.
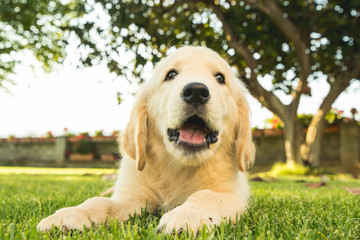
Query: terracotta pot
column 81, row 157
column 107, row 157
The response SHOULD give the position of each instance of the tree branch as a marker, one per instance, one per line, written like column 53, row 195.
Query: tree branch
column 340, row 84
column 275, row 13
column 266, row 98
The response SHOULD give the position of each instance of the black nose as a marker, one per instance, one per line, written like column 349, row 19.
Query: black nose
column 195, row 93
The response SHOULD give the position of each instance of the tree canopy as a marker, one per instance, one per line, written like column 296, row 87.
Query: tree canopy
column 40, row 26
column 284, row 39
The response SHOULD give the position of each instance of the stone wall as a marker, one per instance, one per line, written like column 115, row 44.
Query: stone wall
column 21, row 150
column 340, row 148
column 270, row 147
column 350, row 146
column 56, row 152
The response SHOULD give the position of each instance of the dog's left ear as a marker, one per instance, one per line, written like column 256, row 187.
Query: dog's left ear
column 244, row 146
column 134, row 138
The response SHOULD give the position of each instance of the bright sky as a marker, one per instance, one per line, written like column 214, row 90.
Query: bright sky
column 85, row 100
column 80, row 100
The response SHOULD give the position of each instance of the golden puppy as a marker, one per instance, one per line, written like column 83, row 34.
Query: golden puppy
column 187, row 138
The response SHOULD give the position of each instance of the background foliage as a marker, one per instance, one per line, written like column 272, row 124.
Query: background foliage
column 144, row 30
column 41, row 27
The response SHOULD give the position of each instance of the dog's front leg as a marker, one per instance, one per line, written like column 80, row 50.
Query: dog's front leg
column 130, row 197
column 93, row 211
column 203, row 207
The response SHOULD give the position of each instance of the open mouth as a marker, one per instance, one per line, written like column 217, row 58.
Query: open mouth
column 194, row 133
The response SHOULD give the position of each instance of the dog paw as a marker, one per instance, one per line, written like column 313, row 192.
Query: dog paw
column 74, row 218
column 187, row 218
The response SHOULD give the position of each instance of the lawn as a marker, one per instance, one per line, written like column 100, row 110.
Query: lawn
column 280, row 209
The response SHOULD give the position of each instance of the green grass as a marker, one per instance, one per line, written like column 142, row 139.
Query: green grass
column 281, row 209
column 281, row 169
column 55, row 171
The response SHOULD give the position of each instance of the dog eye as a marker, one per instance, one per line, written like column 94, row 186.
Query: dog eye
column 171, row 75
column 220, row 78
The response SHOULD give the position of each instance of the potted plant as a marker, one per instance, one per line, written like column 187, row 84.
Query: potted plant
column 99, row 133
column 83, row 149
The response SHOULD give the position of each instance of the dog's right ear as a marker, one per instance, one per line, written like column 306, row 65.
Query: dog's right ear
column 244, row 147
column 133, row 139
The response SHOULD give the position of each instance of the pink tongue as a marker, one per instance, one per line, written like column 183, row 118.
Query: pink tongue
column 192, row 135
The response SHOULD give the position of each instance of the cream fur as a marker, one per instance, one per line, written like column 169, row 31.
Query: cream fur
column 194, row 189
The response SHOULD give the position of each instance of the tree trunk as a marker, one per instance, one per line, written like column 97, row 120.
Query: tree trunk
column 293, row 138
column 310, row 150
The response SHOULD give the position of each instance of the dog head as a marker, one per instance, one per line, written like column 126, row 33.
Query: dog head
column 196, row 106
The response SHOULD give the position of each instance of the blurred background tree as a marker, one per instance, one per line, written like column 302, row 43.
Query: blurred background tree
column 38, row 26
column 290, row 42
